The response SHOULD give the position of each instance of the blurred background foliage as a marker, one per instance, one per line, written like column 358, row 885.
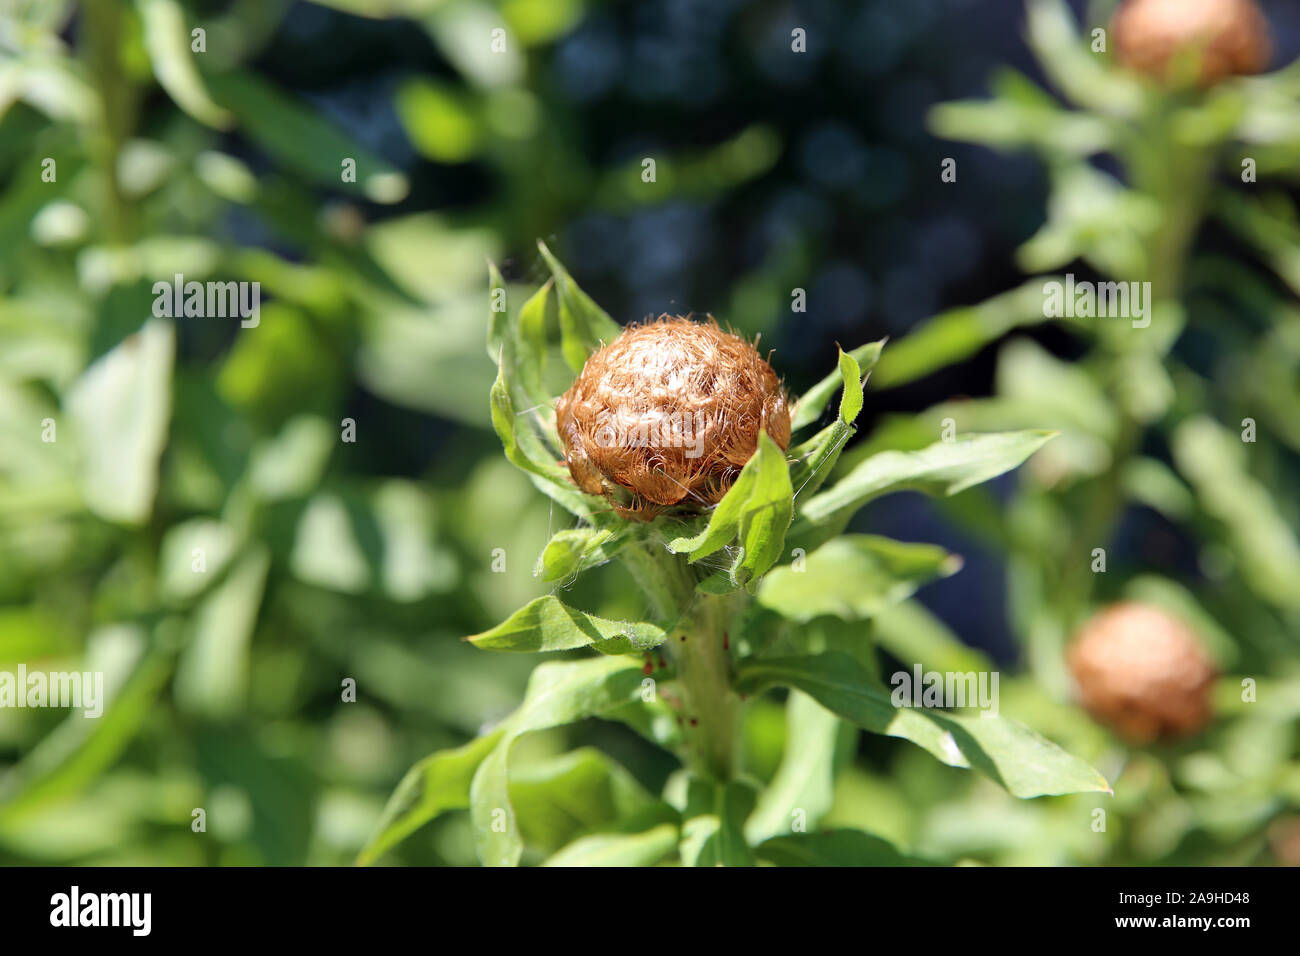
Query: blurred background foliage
column 329, row 559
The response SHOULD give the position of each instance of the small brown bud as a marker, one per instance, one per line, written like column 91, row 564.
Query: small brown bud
column 667, row 414
column 1142, row 672
column 1231, row 35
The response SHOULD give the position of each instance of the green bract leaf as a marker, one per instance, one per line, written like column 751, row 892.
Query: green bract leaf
column 810, row 406
column 548, row 624
column 523, row 444
column 439, row 782
column 584, row 325
column 757, row 509
column 854, row 577
column 944, row 468
column 575, row 550
column 1011, row 754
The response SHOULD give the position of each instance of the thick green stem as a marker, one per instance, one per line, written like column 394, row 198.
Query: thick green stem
column 709, row 707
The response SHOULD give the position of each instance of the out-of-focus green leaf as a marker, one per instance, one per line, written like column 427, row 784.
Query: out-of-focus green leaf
column 1007, row 752
column 802, row 790
column 757, row 510
column 193, row 554
column 121, row 406
column 212, row 673
column 82, row 747
column 574, row 550
column 441, row 123
column 1216, row 464
column 839, row 847
column 714, row 830
column 813, row 402
column 558, row 693
column 303, row 141
column 957, row 334
column 619, row 849
column 944, row 468
column 439, row 782
column 548, row 624
column 911, row 633
column 1080, row 74
column 854, row 577
column 167, row 37
column 578, row 793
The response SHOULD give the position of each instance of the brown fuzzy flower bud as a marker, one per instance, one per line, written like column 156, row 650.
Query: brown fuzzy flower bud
column 1231, row 35
column 667, row 414
column 1142, row 672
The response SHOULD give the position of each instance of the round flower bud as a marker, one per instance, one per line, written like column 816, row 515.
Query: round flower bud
column 1231, row 36
column 1142, row 672
column 667, row 414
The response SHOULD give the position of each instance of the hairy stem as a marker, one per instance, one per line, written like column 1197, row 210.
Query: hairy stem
column 710, row 709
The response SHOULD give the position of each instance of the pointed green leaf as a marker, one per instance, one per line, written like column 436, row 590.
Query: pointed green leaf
column 438, row 783
column 854, row 577
column 619, row 849
column 805, row 780
column 548, row 624
column 558, row 693
column 943, row 468
column 584, row 325
column 813, row 402
column 757, row 509
column 574, row 550
column 167, row 38
column 1008, row 752
column 840, row 847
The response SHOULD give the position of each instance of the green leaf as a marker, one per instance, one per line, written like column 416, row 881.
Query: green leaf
column 1009, row 753
column 1084, row 77
column 167, row 38
column 854, row 577
column 757, row 509
column 548, row 624
column 911, row 633
column 292, row 133
column 714, row 834
column 558, row 693
column 959, row 333
column 574, row 550
column 121, row 406
column 532, row 344
column 840, row 847
column 620, row 849
column 438, row 783
column 805, row 781
column 810, row 406
column 584, row 325
column 578, row 793
column 944, row 468
column 1214, row 461
column 213, row 672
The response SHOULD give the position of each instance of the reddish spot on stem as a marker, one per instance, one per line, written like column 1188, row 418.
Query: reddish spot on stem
column 726, row 640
